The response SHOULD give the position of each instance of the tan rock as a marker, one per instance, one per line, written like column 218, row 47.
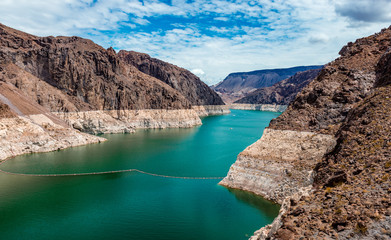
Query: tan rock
column 278, row 164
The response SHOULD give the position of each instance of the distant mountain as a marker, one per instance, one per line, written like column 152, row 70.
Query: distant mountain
column 188, row 84
column 238, row 85
column 283, row 92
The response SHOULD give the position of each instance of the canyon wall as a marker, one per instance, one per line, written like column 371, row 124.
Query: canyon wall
column 259, row 107
column 125, row 121
column 210, row 110
column 51, row 88
column 326, row 158
column 37, row 133
column 188, row 84
column 283, row 92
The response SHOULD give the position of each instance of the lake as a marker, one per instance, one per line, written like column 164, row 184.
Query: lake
column 134, row 205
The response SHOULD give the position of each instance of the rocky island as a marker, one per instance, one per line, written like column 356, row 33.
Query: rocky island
column 326, row 159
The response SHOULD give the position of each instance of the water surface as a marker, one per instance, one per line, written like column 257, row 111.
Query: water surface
column 133, row 205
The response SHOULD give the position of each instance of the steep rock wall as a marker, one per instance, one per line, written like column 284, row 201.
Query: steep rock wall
column 188, row 84
column 348, row 101
column 210, row 110
column 259, row 107
column 37, row 133
column 279, row 164
column 123, row 121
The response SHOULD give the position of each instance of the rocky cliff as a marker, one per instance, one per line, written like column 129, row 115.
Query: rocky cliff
column 188, row 84
column 238, row 85
column 348, row 187
column 283, row 92
column 91, row 77
column 53, row 87
column 259, row 107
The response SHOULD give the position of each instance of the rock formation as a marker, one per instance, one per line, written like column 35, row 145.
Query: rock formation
column 283, row 92
column 346, row 193
column 238, row 85
column 91, row 77
column 188, row 84
column 53, row 87
column 259, row 107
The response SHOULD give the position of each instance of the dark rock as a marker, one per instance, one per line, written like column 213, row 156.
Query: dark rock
column 281, row 93
column 238, row 85
column 88, row 76
column 188, row 84
column 352, row 185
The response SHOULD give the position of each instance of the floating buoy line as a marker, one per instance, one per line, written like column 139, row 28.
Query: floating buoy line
column 102, row 173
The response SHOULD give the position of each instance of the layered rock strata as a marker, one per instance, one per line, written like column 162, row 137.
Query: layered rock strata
column 281, row 93
column 237, row 85
column 349, row 197
column 89, row 76
column 210, row 110
column 188, row 84
column 124, row 121
column 37, row 133
column 269, row 167
column 259, row 107
column 60, row 85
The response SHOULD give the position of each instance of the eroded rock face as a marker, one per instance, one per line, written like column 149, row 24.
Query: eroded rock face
column 270, row 166
column 21, row 135
column 259, row 107
column 324, row 104
column 59, row 84
column 281, row 93
column 348, row 103
column 210, row 110
column 188, row 84
column 5, row 111
column 350, row 194
column 125, row 121
column 237, row 85
column 91, row 77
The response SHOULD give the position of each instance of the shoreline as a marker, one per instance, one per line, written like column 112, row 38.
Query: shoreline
column 259, row 107
column 42, row 133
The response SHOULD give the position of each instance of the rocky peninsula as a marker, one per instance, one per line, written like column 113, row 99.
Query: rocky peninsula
column 326, row 159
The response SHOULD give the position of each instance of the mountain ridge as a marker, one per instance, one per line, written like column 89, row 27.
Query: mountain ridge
column 283, row 92
column 239, row 84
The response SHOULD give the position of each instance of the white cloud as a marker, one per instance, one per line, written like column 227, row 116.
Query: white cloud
column 318, row 38
column 198, row 72
column 263, row 34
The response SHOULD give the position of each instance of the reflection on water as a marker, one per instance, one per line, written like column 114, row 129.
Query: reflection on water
column 264, row 206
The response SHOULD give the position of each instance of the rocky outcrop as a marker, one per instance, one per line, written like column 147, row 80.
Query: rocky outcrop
column 281, row 93
column 58, row 84
column 188, row 84
column 269, row 166
column 5, row 111
column 37, row 133
column 210, row 110
column 125, row 121
column 238, row 85
column 324, row 104
column 259, row 107
column 91, row 77
column 349, row 198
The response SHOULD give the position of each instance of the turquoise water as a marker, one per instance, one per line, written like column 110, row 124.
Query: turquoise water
column 133, row 205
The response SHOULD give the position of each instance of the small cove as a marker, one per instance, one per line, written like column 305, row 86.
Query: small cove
column 133, row 205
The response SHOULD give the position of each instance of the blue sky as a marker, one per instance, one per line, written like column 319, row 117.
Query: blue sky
column 211, row 38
